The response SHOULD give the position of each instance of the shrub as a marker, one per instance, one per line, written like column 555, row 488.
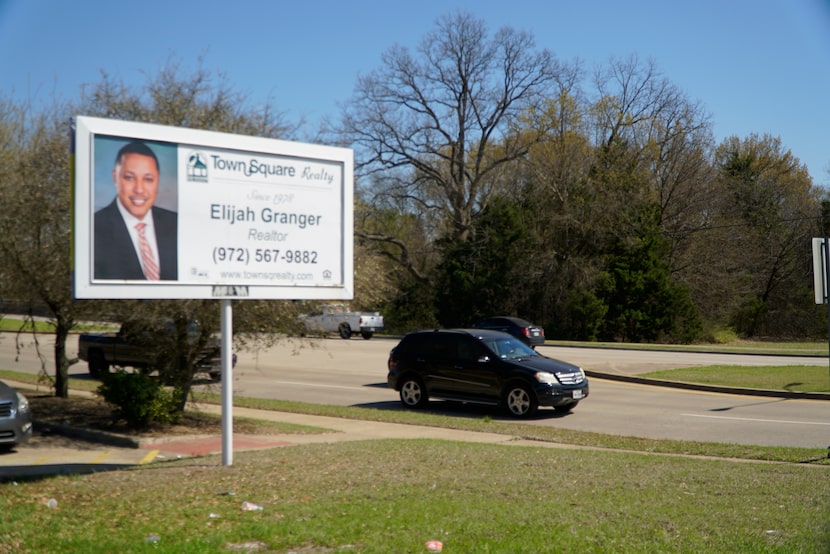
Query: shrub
column 140, row 399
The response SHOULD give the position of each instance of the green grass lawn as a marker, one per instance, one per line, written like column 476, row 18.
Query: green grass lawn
column 40, row 326
column 15, row 325
column 392, row 496
column 621, row 494
column 791, row 378
column 806, row 348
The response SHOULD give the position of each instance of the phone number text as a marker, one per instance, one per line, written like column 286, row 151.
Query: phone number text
column 224, row 254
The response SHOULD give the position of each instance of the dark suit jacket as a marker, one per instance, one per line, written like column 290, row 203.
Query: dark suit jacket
column 114, row 254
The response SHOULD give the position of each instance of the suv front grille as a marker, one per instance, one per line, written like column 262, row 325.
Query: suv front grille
column 570, row 378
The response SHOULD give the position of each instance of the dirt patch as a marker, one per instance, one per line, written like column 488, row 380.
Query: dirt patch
column 92, row 412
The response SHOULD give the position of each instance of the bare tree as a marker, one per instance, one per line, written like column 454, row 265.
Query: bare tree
column 35, row 227
column 35, row 242
column 654, row 144
column 199, row 100
column 432, row 130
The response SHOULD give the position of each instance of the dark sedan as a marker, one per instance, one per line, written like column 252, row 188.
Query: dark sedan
column 532, row 335
column 482, row 367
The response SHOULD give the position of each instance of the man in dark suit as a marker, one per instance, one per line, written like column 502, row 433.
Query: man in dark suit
column 133, row 238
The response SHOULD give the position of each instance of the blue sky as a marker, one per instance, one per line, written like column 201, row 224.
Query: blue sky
column 757, row 66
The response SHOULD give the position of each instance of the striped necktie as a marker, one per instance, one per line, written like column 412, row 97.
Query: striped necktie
column 148, row 261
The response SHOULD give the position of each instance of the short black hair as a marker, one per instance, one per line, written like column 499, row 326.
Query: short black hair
column 137, row 147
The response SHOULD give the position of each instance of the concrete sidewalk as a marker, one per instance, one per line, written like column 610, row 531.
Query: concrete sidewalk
column 339, row 429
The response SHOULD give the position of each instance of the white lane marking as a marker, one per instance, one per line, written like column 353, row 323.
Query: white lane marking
column 759, row 420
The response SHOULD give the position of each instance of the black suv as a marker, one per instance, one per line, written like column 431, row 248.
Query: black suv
column 483, row 367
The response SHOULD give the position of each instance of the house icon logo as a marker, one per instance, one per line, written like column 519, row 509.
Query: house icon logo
column 197, row 170
column 327, row 275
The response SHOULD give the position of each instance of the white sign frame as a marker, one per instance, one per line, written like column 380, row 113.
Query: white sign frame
column 258, row 218
column 820, row 292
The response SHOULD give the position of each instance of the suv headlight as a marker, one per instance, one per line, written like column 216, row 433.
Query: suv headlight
column 546, row 378
column 22, row 403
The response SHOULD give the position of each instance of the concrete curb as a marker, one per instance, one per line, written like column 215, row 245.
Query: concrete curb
column 89, row 435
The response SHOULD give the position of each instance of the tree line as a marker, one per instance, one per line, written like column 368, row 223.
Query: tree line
column 492, row 178
column 598, row 204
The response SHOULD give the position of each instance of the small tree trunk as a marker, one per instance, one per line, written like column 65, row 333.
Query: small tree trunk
column 62, row 329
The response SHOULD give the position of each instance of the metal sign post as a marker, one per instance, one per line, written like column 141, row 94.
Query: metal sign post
column 227, row 382
column 826, row 271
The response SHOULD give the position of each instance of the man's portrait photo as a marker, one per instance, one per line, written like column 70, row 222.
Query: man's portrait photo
column 135, row 237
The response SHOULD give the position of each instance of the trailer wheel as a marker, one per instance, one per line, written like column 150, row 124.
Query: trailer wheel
column 345, row 330
column 366, row 334
column 97, row 364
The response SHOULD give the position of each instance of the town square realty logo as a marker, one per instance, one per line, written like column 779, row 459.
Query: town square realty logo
column 197, row 170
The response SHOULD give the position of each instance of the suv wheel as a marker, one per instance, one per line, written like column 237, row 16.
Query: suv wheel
column 413, row 393
column 520, row 401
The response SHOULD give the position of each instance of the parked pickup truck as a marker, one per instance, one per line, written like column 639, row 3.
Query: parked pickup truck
column 138, row 346
column 336, row 318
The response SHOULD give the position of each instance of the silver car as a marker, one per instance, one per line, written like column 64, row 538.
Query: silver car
column 15, row 417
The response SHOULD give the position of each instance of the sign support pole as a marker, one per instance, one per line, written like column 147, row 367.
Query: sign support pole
column 826, row 282
column 227, row 382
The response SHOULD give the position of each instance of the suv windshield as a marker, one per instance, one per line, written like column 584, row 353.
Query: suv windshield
column 509, row 348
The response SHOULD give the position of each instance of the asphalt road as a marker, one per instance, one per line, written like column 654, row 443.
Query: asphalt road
column 353, row 372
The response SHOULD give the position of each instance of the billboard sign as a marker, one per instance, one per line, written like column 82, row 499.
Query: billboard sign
column 167, row 212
